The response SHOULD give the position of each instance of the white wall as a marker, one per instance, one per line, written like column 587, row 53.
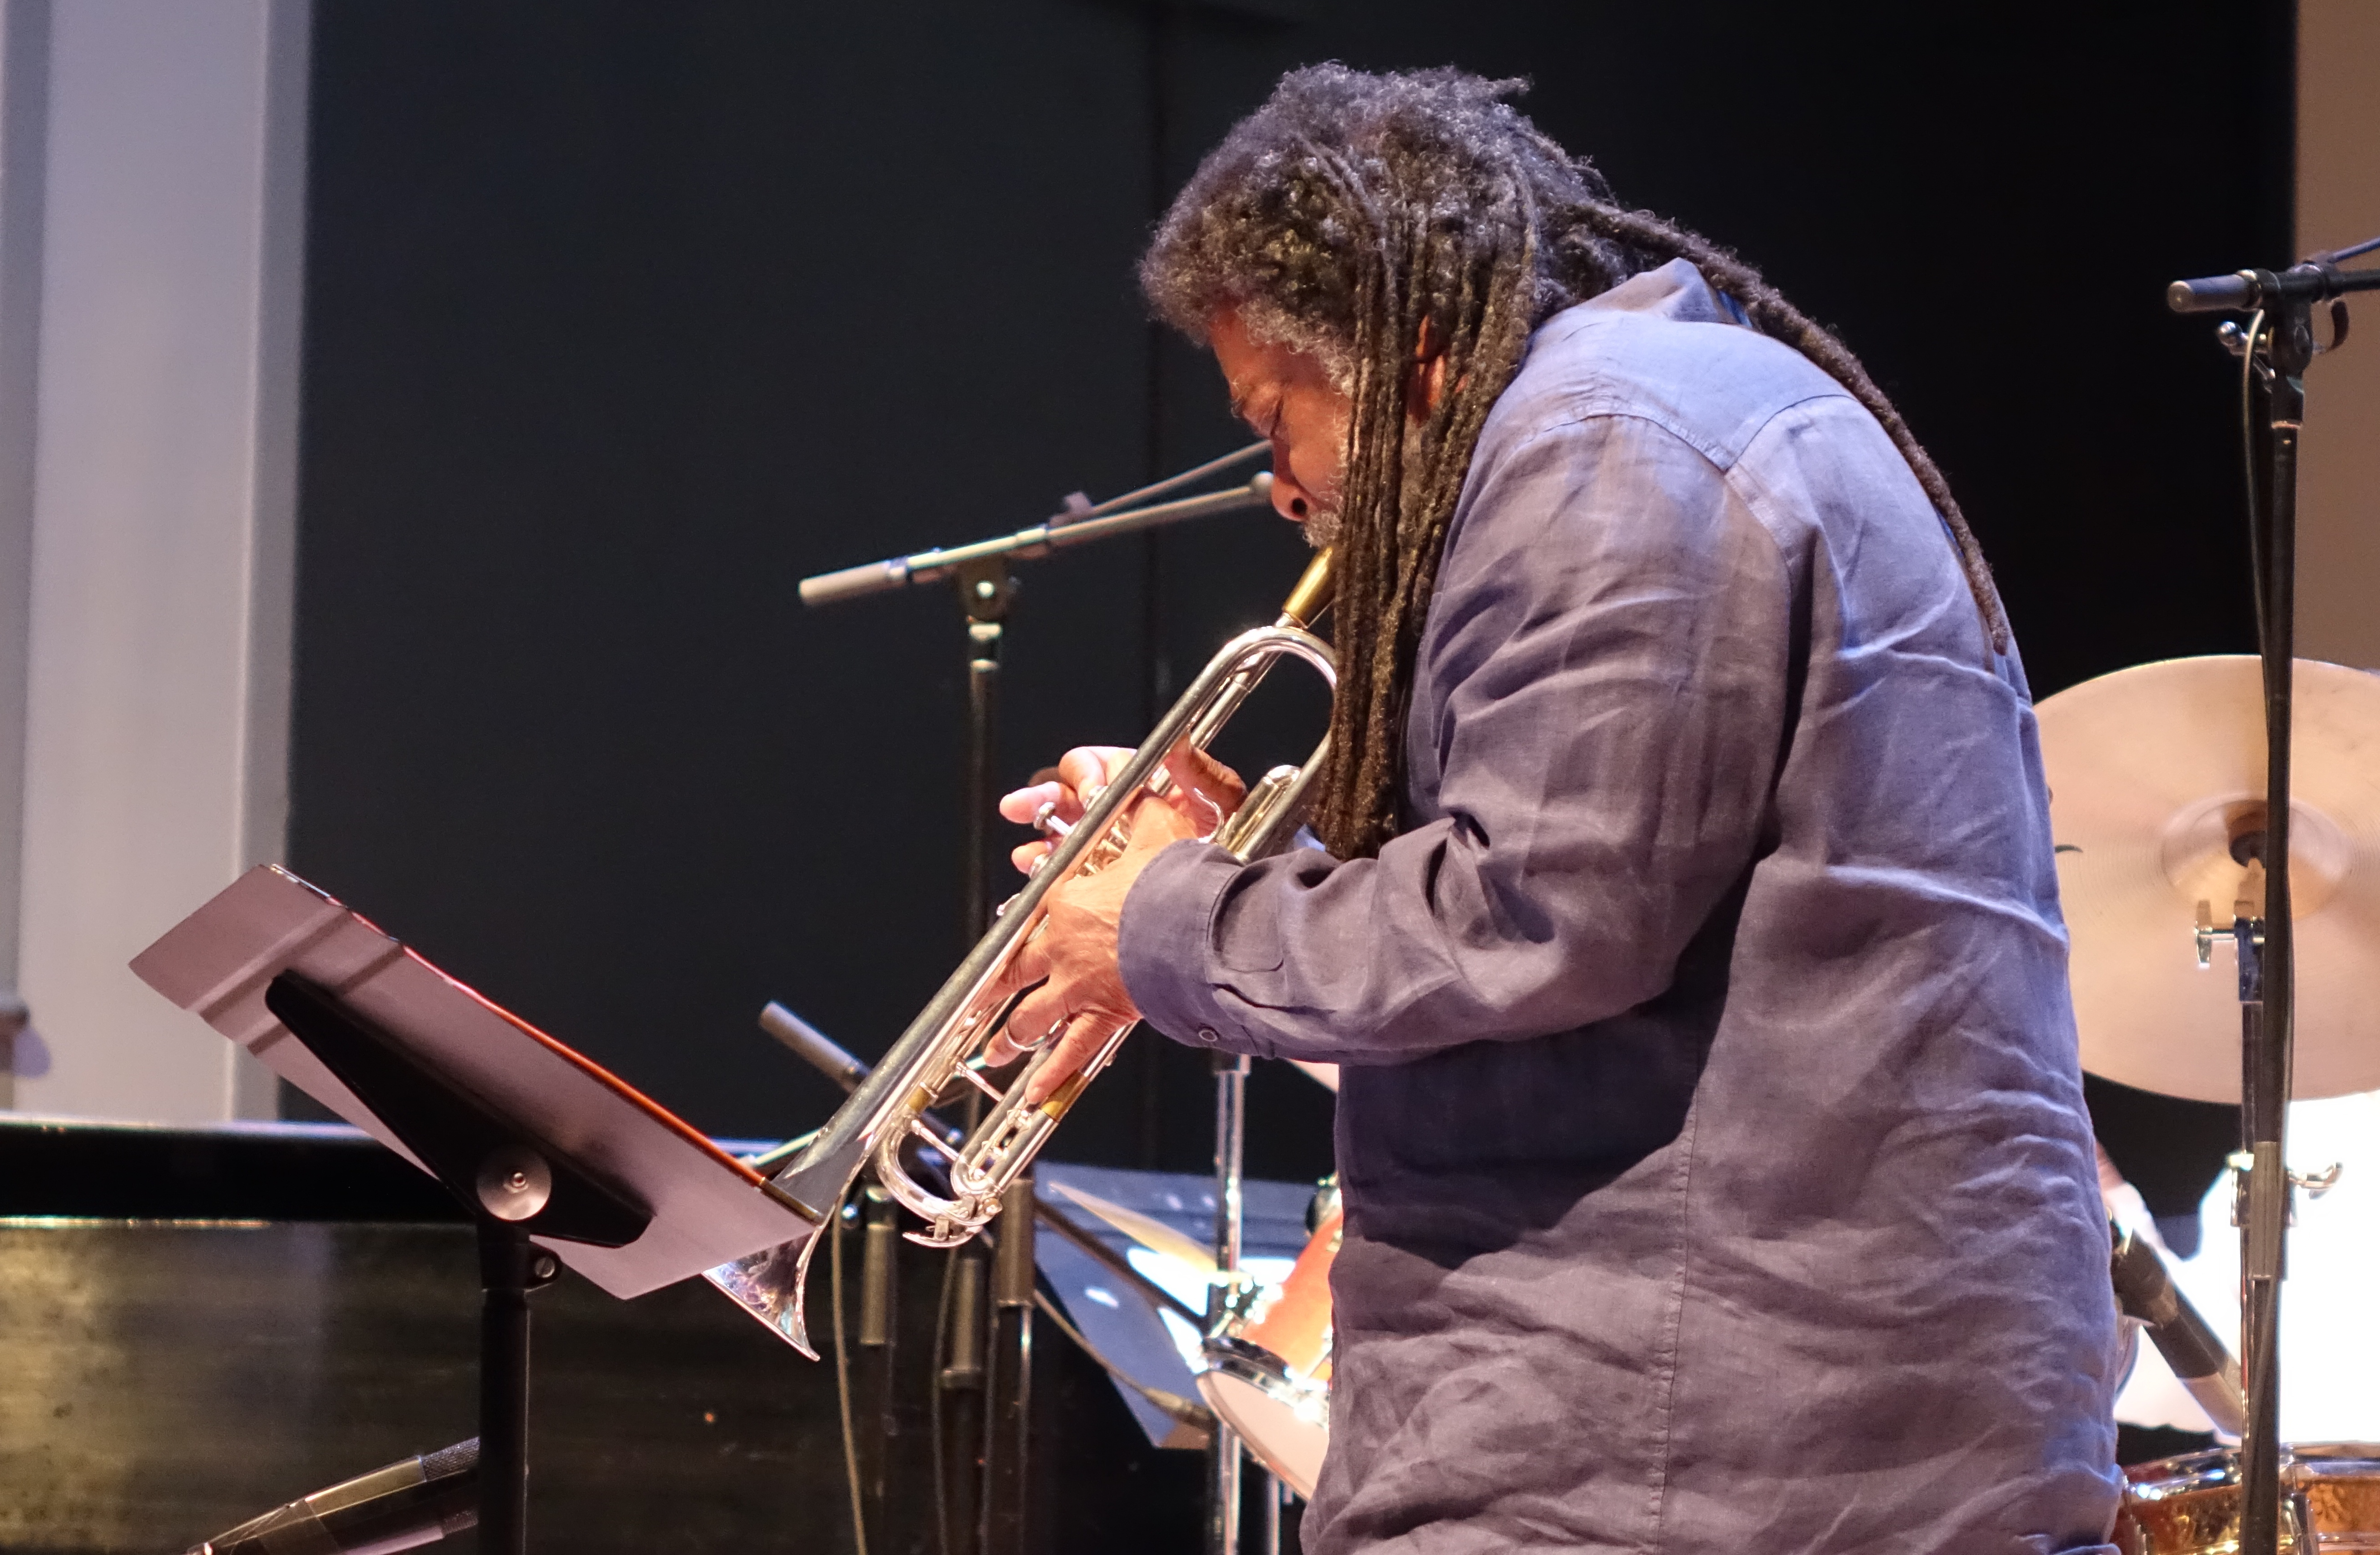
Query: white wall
column 156, row 724
column 2338, row 203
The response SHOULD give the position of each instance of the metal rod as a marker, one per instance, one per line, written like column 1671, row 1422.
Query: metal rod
column 932, row 565
column 1223, row 1463
column 961, row 1381
column 1114, row 1262
column 876, row 1364
column 2271, row 1034
column 1008, row 1415
column 1197, row 473
column 504, row 1258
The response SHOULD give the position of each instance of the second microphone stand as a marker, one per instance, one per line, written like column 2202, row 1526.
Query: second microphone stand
column 985, row 1382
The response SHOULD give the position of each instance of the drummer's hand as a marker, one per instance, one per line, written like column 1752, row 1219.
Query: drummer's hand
column 1071, row 952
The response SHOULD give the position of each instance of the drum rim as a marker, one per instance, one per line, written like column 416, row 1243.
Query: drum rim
column 2212, row 1468
column 1260, row 1369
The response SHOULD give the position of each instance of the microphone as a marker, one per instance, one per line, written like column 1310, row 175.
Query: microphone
column 2318, row 279
column 2145, row 1292
column 823, row 1051
column 412, row 1502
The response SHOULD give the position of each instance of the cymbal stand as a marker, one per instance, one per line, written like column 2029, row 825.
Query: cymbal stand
column 2276, row 347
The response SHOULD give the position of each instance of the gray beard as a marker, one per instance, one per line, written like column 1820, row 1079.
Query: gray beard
column 1321, row 527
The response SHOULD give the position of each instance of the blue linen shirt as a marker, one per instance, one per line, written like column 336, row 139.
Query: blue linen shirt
column 1711, row 1130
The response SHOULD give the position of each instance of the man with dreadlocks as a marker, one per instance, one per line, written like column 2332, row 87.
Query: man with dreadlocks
column 1686, row 927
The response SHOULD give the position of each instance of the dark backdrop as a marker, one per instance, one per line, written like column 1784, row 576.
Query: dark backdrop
column 622, row 317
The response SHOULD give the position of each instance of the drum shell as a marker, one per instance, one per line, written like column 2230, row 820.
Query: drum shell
column 1295, row 1326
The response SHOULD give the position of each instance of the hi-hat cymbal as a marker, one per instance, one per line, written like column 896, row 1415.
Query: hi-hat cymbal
column 2156, row 774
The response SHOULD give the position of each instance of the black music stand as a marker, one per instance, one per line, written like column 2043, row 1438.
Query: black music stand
column 553, row 1157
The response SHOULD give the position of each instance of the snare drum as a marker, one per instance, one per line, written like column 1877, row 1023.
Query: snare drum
column 2190, row 1505
column 1268, row 1374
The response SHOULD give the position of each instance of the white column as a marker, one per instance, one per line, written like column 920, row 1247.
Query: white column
column 156, row 728
column 24, row 119
column 2338, row 203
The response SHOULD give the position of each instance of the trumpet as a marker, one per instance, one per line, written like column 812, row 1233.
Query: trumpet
column 945, row 1045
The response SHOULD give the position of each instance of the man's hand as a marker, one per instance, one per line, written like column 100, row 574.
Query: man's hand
column 1071, row 949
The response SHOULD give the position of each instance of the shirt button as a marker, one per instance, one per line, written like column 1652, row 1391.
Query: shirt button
column 1208, row 1034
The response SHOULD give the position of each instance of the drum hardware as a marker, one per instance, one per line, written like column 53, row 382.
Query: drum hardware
column 1224, row 1460
column 2244, row 826
column 2201, row 1362
column 2315, row 1183
column 412, row 1502
column 2191, row 1505
column 1325, row 1205
column 1268, row 1363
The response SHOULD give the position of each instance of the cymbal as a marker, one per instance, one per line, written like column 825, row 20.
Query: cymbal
column 2154, row 771
column 1147, row 1230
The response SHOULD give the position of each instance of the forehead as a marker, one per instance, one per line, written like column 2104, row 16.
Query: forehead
column 1251, row 365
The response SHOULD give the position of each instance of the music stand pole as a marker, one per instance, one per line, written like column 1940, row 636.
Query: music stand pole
column 508, row 1271
column 514, row 1185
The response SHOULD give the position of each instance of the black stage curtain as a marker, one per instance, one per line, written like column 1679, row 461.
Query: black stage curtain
column 622, row 317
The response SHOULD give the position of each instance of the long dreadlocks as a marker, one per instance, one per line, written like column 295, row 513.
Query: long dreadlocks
column 1372, row 220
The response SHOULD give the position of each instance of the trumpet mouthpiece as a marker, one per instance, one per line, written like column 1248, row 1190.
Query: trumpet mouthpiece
column 1312, row 596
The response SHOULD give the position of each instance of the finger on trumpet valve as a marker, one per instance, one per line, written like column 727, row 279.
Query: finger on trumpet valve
column 1046, row 821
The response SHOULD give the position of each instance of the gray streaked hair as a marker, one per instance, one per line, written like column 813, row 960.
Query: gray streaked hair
column 1367, row 220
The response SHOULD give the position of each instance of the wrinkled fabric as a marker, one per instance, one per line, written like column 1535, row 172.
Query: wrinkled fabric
column 1711, row 1130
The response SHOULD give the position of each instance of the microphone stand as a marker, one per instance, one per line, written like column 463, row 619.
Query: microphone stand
column 2278, row 347
column 987, row 1395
